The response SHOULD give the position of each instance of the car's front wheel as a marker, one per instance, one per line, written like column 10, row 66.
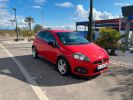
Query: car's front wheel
column 34, row 52
column 63, row 66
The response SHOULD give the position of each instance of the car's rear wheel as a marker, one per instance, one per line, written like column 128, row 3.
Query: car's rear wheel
column 63, row 67
column 34, row 52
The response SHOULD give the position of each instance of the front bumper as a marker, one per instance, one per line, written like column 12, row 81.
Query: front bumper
column 84, row 68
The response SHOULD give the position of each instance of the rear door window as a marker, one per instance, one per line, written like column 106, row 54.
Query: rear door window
column 49, row 37
column 41, row 35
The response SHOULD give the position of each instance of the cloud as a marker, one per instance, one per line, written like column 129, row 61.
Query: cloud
column 64, row 5
column 39, row 2
column 64, row 27
column 38, row 7
column 83, row 14
column 3, row 1
column 6, row 17
column 98, row 15
column 2, row 5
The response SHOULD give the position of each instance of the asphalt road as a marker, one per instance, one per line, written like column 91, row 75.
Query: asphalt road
column 25, row 78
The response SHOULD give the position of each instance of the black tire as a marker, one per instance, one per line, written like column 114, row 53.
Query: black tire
column 66, row 67
column 34, row 53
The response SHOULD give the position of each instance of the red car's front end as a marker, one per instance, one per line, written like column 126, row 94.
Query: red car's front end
column 97, row 59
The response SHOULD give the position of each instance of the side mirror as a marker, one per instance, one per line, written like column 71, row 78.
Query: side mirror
column 53, row 44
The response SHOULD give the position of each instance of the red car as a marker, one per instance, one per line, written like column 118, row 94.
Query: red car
column 71, row 52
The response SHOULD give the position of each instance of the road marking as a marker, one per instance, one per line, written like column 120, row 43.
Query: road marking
column 40, row 94
column 6, row 71
column 12, row 42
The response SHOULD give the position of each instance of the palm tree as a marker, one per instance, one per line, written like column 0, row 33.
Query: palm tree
column 90, row 24
column 37, row 28
column 29, row 20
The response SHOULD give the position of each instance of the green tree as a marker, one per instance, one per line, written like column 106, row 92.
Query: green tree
column 29, row 20
column 90, row 24
column 37, row 27
column 28, row 34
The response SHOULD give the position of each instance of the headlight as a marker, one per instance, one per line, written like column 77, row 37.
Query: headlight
column 81, row 57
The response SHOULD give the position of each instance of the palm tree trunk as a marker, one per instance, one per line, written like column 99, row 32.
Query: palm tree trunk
column 29, row 26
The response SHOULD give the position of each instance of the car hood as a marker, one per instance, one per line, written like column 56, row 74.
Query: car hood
column 91, row 50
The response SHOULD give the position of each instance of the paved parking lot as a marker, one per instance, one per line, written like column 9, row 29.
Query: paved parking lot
column 25, row 78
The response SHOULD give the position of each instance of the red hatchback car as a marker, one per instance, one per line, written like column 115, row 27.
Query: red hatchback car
column 71, row 52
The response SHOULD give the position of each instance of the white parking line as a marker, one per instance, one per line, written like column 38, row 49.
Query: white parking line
column 40, row 94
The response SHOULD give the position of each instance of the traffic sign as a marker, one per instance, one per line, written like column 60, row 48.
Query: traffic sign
column 130, row 18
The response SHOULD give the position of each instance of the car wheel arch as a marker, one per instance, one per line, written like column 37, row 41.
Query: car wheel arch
column 63, row 57
column 35, row 48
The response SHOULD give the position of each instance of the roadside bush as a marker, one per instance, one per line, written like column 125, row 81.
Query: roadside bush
column 1, row 33
column 28, row 34
column 110, row 39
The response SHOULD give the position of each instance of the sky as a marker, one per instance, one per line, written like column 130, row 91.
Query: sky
column 58, row 13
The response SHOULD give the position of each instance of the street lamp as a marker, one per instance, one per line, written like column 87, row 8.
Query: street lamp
column 43, row 19
column 16, row 23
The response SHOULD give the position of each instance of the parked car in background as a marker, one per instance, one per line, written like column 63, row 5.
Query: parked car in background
column 71, row 52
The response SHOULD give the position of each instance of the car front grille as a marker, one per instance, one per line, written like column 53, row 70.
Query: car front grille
column 101, row 61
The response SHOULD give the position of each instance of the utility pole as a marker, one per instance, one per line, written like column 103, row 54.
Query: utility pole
column 16, row 24
column 120, row 22
column 43, row 19
column 90, row 24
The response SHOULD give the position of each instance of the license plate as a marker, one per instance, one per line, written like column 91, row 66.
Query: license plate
column 102, row 66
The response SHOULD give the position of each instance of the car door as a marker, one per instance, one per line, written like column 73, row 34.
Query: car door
column 50, row 52
column 40, row 43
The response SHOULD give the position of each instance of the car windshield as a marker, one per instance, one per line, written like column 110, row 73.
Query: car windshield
column 71, row 38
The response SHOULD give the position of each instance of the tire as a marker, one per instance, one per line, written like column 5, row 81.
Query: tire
column 63, row 67
column 34, row 53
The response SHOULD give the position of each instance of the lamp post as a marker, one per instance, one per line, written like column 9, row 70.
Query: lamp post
column 90, row 24
column 16, row 23
column 43, row 19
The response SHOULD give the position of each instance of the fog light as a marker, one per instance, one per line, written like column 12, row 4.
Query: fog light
column 81, row 70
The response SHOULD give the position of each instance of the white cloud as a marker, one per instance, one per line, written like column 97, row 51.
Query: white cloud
column 98, row 15
column 39, row 2
column 6, row 17
column 64, row 5
column 64, row 27
column 2, row 5
column 83, row 14
column 3, row 1
column 38, row 7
